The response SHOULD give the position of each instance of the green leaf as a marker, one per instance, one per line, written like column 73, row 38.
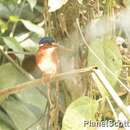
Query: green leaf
column 9, row 77
column 15, row 46
column 22, row 37
column 4, row 126
column 2, row 98
column 3, row 26
column 12, row 77
column 107, row 50
column 19, row 114
column 33, row 27
column 33, row 98
column 32, row 3
column 5, row 118
column 82, row 109
column 4, row 12
column 29, row 45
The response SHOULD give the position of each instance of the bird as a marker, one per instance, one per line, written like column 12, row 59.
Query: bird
column 47, row 61
column 46, row 57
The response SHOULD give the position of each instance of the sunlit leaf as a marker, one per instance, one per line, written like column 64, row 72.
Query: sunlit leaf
column 108, row 52
column 33, row 27
column 13, row 18
column 22, row 37
column 56, row 4
column 32, row 3
column 80, row 1
column 3, row 26
column 82, row 109
column 19, row 1
column 29, row 45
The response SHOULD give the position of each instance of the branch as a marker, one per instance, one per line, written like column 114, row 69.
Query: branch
column 38, row 82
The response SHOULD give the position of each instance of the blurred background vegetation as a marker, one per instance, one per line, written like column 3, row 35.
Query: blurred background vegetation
column 23, row 23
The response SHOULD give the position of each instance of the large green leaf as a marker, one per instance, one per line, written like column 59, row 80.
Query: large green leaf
column 6, row 119
column 19, row 114
column 30, row 45
column 4, row 11
column 82, row 109
column 33, row 27
column 15, row 46
column 107, row 50
column 4, row 126
column 28, row 99
column 10, row 76
column 33, row 98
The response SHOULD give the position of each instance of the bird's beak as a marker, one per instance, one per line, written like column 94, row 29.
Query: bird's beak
column 62, row 47
column 55, row 45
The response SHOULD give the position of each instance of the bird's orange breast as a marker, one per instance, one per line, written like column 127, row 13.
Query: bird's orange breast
column 46, row 59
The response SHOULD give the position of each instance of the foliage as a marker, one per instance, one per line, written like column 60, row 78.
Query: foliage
column 112, row 59
column 22, row 24
column 84, row 108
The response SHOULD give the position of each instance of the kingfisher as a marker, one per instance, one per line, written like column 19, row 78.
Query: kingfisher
column 46, row 57
column 47, row 61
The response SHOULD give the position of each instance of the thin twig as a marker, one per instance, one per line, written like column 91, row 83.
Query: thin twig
column 37, row 82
